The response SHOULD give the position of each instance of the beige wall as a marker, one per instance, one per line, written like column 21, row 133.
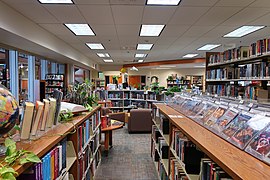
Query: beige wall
column 162, row 74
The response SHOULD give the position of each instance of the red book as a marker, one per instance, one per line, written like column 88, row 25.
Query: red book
column 81, row 137
column 56, row 163
column 104, row 121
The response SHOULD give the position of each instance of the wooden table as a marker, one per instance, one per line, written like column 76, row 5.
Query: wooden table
column 108, row 136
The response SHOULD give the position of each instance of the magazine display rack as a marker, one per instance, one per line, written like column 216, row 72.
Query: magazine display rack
column 220, row 128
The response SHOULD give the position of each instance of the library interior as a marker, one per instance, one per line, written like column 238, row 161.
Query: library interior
column 134, row 89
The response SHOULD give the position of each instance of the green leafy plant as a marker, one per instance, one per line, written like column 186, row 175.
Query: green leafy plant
column 65, row 115
column 12, row 156
column 170, row 78
column 171, row 90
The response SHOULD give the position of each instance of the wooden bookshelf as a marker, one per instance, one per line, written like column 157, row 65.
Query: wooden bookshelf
column 237, row 163
column 52, row 137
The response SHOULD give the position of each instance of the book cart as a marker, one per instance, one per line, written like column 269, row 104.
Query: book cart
column 217, row 158
column 69, row 150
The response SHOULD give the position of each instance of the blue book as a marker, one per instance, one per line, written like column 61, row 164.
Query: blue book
column 87, row 130
column 64, row 152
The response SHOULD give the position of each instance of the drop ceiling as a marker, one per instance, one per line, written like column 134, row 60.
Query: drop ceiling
column 117, row 23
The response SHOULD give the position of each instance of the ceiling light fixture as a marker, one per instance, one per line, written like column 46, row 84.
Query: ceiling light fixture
column 208, row 47
column 103, row 55
column 161, row 68
column 242, row 31
column 199, row 66
column 163, row 2
column 108, row 60
column 140, row 61
column 95, row 45
column 56, row 1
column 151, row 30
column 140, row 55
column 144, row 46
column 190, row 55
column 80, row 29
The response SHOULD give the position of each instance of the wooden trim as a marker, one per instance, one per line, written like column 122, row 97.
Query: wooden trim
column 50, row 139
column 166, row 62
column 237, row 163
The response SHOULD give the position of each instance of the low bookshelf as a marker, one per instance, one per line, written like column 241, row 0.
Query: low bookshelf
column 81, row 139
column 236, row 163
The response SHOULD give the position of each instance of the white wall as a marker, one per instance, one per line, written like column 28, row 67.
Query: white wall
column 162, row 74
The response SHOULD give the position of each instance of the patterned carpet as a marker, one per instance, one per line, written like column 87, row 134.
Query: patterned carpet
column 129, row 159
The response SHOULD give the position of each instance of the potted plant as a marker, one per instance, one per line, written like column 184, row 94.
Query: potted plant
column 115, row 79
column 170, row 79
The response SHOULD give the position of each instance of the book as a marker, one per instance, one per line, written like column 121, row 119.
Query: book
column 74, row 108
column 246, row 132
column 45, row 114
column 27, row 120
column 58, row 95
column 235, row 124
column 38, row 117
column 259, row 147
column 51, row 113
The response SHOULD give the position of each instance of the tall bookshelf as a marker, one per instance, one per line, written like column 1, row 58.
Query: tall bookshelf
column 233, row 161
column 53, row 82
column 238, row 72
column 82, row 138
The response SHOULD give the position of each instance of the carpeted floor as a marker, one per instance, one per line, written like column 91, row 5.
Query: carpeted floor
column 129, row 159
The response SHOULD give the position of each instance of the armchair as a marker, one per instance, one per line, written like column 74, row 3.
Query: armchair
column 140, row 120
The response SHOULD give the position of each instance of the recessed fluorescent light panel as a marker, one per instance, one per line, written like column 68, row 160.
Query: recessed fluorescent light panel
column 144, row 46
column 161, row 68
column 140, row 61
column 208, row 47
column 242, row 31
column 95, row 46
column 140, row 55
column 151, row 30
column 80, row 29
column 199, row 66
column 56, row 1
column 163, row 2
column 190, row 55
column 103, row 55
column 107, row 60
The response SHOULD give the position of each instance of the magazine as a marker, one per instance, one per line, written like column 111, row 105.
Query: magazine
column 224, row 120
column 238, row 122
column 260, row 146
column 217, row 114
column 246, row 132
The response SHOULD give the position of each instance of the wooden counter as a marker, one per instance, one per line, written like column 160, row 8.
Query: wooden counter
column 237, row 163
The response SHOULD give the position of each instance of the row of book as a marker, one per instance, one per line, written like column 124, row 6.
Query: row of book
column 211, row 171
column 59, row 77
column 41, row 116
column 229, row 55
column 259, row 70
column 257, row 48
column 243, row 125
column 260, row 47
column 177, row 171
column 53, row 164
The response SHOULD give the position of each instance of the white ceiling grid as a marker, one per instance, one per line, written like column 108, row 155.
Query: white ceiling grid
column 117, row 23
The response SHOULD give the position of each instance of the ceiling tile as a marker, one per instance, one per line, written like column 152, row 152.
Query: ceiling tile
column 261, row 3
column 195, row 3
column 97, row 14
column 69, row 39
column 104, row 30
column 57, row 29
column 219, row 31
column 197, row 31
column 174, row 30
column 157, row 14
column 264, row 20
column 245, row 16
column 231, row 3
column 127, row 14
column 89, row 39
column 34, row 11
column 217, row 15
column 128, row 2
column 165, row 40
column 183, row 15
column 66, row 13
column 91, row 2
column 128, row 30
